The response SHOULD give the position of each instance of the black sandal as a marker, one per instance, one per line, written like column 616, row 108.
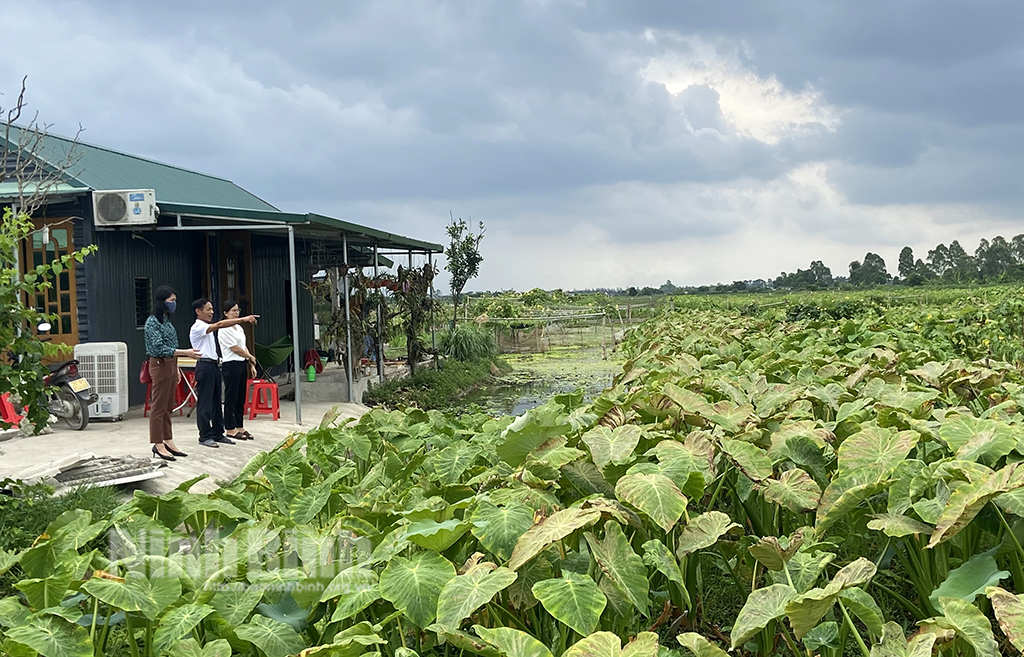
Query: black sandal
column 245, row 435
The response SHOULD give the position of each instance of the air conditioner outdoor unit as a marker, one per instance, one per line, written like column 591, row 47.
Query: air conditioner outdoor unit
column 131, row 207
column 105, row 366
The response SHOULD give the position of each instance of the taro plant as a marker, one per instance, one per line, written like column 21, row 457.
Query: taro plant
column 805, row 488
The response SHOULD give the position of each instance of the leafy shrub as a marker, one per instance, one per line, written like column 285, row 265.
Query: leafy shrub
column 432, row 388
column 468, row 343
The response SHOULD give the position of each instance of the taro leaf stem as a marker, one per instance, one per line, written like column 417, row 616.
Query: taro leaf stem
column 856, row 634
column 1013, row 537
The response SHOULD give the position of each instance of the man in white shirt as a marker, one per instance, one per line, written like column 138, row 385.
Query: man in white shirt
column 203, row 335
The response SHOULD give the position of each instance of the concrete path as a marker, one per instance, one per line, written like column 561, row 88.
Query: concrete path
column 131, row 437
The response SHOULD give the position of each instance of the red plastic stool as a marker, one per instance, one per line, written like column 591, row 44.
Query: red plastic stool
column 263, row 400
column 7, row 411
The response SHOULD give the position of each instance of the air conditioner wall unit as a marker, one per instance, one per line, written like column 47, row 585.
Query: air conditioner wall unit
column 124, row 207
column 105, row 366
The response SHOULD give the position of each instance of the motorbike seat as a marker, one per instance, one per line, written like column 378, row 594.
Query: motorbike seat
column 53, row 367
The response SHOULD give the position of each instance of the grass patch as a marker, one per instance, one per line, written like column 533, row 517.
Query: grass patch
column 434, row 388
column 27, row 509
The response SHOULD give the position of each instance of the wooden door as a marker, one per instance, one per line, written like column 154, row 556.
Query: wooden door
column 61, row 300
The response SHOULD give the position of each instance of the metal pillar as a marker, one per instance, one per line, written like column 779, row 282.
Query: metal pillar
column 348, row 323
column 380, row 319
column 433, row 338
column 295, row 323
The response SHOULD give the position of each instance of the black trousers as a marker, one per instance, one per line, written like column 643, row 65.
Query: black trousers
column 235, row 374
column 210, row 416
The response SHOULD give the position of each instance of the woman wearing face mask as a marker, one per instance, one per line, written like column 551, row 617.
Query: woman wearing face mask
column 163, row 352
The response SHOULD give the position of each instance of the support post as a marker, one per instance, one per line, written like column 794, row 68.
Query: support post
column 348, row 323
column 379, row 346
column 295, row 323
column 604, row 354
column 433, row 338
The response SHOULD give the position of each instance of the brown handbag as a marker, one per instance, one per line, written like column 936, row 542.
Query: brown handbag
column 144, row 376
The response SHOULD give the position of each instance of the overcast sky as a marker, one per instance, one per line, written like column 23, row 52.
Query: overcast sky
column 603, row 142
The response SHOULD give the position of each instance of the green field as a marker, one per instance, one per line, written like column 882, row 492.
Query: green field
column 810, row 474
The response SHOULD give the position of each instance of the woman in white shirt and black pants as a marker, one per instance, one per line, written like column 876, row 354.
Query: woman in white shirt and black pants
column 235, row 359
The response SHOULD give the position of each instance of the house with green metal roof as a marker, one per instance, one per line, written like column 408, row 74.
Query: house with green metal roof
column 157, row 224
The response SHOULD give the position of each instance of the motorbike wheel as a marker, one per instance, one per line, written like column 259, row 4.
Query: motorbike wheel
column 79, row 418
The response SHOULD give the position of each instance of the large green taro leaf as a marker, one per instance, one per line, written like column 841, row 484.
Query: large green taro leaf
column 621, row 564
column 806, row 610
column 190, row 648
column 498, row 528
column 574, row 599
column 657, row 556
column 696, row 452
column 531, row 430
column 136, row 593
column 553, row 528
column 898, row 526
column 414, row 585
column 606, row 644
column 51, row 636
column 750, row 459
column 612, row 445
column 863, row 606
column 970, row 579
column 729, row 416
column 773, row 553
column 587, row 478
column 893, row 644
column 464, row 594
column 512, row 642
column 453, row 461
column 804, row 569
column 273, row 637
column 968, row 500
column 846, row 493
column 177, row 623
column 699, row 646
column 794, row 489
column 1009, row 610
column 971, row 625
column 236, row 603
column 703, row 531
column 690, row 402
column 355, row 588
column 875, row 446
column 438, row 536
column 777, row 398
column 654, row 494
column 762, row 607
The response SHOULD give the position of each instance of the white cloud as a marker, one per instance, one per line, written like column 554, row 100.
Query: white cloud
column 757, row 106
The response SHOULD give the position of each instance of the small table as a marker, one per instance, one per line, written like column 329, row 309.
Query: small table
column 188, row 378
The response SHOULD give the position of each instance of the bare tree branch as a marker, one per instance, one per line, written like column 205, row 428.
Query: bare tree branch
column 21, row 156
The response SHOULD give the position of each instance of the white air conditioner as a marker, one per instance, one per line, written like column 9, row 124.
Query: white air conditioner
column 105, row 366
column 131, row 207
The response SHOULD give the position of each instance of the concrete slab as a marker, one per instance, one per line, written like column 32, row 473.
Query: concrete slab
column 35, row 454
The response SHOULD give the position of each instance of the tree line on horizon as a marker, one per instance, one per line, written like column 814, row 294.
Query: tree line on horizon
column 995, row 261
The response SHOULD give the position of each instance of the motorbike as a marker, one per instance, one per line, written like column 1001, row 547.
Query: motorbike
column 69, row 394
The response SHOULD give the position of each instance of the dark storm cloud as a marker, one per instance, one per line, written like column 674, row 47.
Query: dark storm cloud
column 544, row 114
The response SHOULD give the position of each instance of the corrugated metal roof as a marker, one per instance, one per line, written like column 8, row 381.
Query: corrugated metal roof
column 189, row 193
column 102, row 168
column 309, row 223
